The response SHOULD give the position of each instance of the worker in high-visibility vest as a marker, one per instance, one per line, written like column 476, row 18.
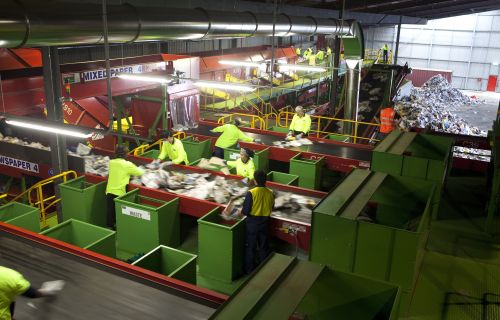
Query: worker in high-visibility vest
column 173, row 149
column 297, row 51
column 231, row 134
column 245, row 166
column 13, row 284
column 307, row 53
column 387, row 122
column 385, row 53
column 257, row 207
column 120, row 171
column 328, row 52
column 301, row 124
column 312, row 59
column 320, row 56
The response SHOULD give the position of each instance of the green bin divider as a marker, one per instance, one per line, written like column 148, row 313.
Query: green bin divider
column 220, row 246
column 84, row 201
column 151, row 154
column 278, row 129
column 85, row 235
column 171, row 262
column 283, row 178
column 309, row 170
column 196, row 148
column 144, row 223
column 21, row 215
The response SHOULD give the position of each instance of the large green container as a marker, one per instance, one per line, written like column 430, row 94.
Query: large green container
column 196, row 148
column 152, row 154
column 85, row 235
column 220, row 246
column 144, row 223
column 84, row 201
column 390, row 247
column 283, row 178
column 21, row 215
column 171, row 262
column 260, row 158
column 414, row 155
column 309, row 169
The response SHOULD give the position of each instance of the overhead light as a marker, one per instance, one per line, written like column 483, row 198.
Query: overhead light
column 298, row 67
column 66, row 132
column 150, row 78
column 240, row 63
column 224, row 85
column 495, row 63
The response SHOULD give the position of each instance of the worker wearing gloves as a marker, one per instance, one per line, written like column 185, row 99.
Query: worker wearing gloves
column 173, row 149
column 301, row 124
column 297, row 51
column 257, row 207
column 320, row 55
column 13, row 284
column 244, row 165
column 231, row 134
column 120, row 171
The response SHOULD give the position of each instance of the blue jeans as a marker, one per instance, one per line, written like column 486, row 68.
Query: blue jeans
column 256, row 239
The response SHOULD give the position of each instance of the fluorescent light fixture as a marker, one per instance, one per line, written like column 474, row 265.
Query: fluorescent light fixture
column 66, row 132
column 224, row 86
column 3, row 42
column 495, row 63
column 298, row 67
column 240, row 63
column 139, row 77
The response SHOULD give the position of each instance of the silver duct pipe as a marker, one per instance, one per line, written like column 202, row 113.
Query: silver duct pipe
column 33, row 24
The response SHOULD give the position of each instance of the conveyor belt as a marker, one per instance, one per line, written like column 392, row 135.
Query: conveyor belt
column 321, row 148
column 92, row 291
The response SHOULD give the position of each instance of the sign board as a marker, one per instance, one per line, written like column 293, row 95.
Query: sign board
column 19, row 164
column 137, row 213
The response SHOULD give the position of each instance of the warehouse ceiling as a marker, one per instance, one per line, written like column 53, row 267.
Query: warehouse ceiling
column 428, row 9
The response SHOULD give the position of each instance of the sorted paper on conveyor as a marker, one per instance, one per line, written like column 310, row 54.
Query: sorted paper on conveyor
column 15, row 140
column 430, row 107
column 292, row 143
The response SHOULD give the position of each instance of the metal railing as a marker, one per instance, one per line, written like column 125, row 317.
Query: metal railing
column 253, row 119
column 36, row 197
column 145, row 147
column 287, row 117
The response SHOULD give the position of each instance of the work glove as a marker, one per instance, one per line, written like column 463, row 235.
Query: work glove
column 245, row 181
column 156, row 161
column 290, row 133
column 299, row 136
column 167, row 163
column 51, row 288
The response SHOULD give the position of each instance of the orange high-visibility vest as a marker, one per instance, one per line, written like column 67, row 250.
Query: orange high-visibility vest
column 387, row 120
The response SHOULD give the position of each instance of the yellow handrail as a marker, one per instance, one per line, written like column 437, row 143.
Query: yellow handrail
column 145, row 147
column 266, row 119
column 254, row 118
column 38, row 200
column 288, row 115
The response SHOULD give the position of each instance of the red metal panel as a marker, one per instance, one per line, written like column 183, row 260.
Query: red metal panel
column 32, row 57
column 184, row 287
column 95, row 108
column 420, row 76
column 492, row 83
column 8, row 61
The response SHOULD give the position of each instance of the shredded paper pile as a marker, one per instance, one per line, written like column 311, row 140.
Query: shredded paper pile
column 430, row 106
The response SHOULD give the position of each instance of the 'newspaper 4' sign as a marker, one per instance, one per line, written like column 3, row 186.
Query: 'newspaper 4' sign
column 19, row 164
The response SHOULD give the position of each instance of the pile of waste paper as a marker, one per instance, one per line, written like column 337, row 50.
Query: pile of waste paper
column 292, row 143
column 15, row 140
column 472, row 153
column 214, row 163
column 96, row 164
column 430, row 106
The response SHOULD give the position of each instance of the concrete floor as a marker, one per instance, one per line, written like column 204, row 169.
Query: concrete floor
column 483, row 114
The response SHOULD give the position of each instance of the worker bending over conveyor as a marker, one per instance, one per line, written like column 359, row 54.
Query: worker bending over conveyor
column 13, row 284
column 120, row 171
column 244, row 165
column 231, row 134
column 301, row 124
column 173, row 149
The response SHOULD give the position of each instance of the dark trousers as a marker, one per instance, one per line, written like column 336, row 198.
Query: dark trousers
column 385, row 55
column 31, row 293
column 218, row 152
column 256, row 239
column 111, row 217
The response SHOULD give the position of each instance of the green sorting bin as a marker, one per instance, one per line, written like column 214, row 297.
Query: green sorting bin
column 85, row 235
column 21, row 215
column 151, row 154
column 279, row 129
column 308, row 168
column 337, row 137
column 220, row 246
column 260, row 158
column 171, row 262
column 283, row 178
column 196, row 148
column 144, row 223
column 84, row 201
column 390, row 245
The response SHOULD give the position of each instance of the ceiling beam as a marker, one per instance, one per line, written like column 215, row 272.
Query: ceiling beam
column 458, row 8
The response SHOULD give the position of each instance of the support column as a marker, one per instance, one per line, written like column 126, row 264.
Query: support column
column 334, row 83
column 353, row 77
column 397, row 40
column 52, row 86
